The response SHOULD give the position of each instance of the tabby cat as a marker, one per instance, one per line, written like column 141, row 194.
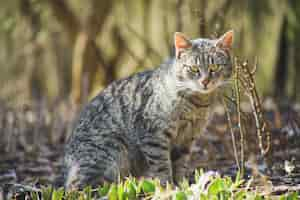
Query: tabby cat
column 144, row 125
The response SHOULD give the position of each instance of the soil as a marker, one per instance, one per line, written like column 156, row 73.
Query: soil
column 33, row 138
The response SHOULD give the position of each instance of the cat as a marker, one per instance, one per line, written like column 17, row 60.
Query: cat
column 144, row 125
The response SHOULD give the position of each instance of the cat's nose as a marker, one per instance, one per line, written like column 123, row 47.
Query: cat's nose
column 205, row 82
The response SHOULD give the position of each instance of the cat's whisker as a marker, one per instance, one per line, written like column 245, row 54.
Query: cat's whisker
column 225, row 84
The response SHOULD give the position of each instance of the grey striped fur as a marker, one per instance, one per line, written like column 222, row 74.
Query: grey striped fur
column 144, row 125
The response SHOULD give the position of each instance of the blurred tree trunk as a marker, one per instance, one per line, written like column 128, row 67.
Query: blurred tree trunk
column 66, row 17
column 218, row 18
column 120, row 45
column 200, row 16
column 179, row 24
column 203, row 22
column 296, row 82
column 295, row 7
column 167, row 39
column 146, row 16
column 60, row 59
column 87, row 57
column 33, row 50
column 280, row 79
column 146, row 24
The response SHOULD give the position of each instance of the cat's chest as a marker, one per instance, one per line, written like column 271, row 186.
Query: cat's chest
column 188, row 121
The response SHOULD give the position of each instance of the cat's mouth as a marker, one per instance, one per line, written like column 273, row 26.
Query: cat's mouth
column 206, row 85
column 207, row 88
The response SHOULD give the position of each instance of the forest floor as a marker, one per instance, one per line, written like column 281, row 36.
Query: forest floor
column 33, row 139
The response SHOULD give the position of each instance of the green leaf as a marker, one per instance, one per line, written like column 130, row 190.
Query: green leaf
column 73, row 195
column 184, row 184
column 228, row 183
column 81, row 196
column 88, row 192
column 121, row 193
column 217, row 186
column 58, row 194
column 198, row 174
column 203, row 196
column 148, row 186
column 34, row 195
column 240, row 195
column 293, row 196
column 238, row 177
column 47, row 193
column 103, row 191
column 253, row 196
column 113, row 192
column 180, row 196
column 131, row 190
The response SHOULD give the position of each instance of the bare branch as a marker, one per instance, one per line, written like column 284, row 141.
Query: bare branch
column 66, row 17
column 31, row 16
column 179, row 23
column 145, row 41
column 98, row 15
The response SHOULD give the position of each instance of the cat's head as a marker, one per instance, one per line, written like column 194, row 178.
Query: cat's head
column 202, row 65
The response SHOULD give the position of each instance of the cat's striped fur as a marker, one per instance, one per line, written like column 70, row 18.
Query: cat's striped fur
column 144, row 125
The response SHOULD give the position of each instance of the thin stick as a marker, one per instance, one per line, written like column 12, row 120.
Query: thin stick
column 233, row 101
column 241, row 130
column 249, row 84
column 236, row 156
column 253, row 71
column 144, row 41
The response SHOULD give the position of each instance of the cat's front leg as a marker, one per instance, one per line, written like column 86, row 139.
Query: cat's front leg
column 180, row 163
column 157, row 155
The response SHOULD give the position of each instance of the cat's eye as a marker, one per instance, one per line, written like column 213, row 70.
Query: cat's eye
column 214, row 67
column 194, row 68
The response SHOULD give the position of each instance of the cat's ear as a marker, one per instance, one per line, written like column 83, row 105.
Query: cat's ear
column 226, row 40
column 181, row 43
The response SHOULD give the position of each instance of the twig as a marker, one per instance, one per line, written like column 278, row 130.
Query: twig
column 179, row 4
column 232, row 134
column 233, row 101
column 237, row 94
column 145, row 42
column 249, row 84
column 166, row 31
column 253, row 71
